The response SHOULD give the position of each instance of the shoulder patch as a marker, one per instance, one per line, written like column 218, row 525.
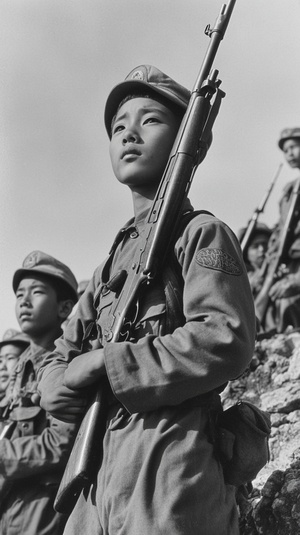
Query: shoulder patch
column 219, row 260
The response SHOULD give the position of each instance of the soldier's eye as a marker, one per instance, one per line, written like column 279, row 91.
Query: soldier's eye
column 152, row 120
column 117, row 128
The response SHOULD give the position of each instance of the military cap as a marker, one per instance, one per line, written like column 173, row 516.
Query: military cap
column 44, row 264
column 11, row 336
column 260, row 228
column 288, row 133
column 141, row 78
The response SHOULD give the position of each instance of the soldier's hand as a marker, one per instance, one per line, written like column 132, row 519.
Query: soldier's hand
column 256, row 282
column 62, row 402
column 85, row 369
column 286, row 287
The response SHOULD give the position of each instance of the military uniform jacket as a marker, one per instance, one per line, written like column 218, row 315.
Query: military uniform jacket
column 157, row 367
column 38, row 445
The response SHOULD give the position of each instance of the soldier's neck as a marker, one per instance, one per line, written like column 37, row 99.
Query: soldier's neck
column 46, row 340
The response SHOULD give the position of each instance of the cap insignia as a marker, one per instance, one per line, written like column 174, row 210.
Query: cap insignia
column 138, row 75
column 10, row 333
column 31, row 260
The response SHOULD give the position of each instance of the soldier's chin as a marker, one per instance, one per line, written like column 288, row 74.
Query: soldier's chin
column 26, row 326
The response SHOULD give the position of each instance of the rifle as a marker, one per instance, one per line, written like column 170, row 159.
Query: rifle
column 272, row 266
column 259, row 210
column 6, row 485
column 7, row 429
column 189, row 149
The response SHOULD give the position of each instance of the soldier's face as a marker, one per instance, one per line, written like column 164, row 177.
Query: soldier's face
column 291, row 150
column 37, row 307
column 9, row 356
column 142, row 137
column 257, row 250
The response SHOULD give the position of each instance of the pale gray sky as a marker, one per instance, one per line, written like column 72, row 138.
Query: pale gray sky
column 58, row 62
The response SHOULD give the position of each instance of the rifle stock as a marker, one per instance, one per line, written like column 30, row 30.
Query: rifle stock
column 6, row 432
column 271, row 266
column 84, row 456
column 189, row 148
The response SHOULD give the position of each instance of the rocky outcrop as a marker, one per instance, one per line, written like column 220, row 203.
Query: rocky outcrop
column 272, row 382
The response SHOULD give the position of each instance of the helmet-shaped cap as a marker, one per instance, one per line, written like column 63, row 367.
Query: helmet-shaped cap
column 151, row 79
column 39, row 262
column 288, row 133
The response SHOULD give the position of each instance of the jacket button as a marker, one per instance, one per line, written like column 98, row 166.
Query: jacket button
column 134, row 234
column 108, row 336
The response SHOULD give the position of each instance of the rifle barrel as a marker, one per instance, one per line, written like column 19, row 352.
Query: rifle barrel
column 259, row 210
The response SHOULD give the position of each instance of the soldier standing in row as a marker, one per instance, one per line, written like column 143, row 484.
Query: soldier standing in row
column 12, row 346
column 159, row 472
column 278, row 302
column 35, row 447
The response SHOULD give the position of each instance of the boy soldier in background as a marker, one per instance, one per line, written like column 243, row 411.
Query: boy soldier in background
column 255, row 252
column 283, row 297
column 159, row 473
column 34, row 450
column 12, row 346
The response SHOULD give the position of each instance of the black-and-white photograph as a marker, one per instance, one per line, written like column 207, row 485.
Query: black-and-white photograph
column 150, row 267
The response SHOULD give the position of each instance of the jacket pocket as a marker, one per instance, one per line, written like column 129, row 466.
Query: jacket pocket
column 104, row 322
column 151, row 316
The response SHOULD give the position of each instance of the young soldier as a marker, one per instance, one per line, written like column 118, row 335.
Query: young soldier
column 159, row 473
column 255, row 253
column 12, row 346
column 283, row 308
column 34, row 450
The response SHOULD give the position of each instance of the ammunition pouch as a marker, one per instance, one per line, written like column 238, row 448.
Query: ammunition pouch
column 243, row 432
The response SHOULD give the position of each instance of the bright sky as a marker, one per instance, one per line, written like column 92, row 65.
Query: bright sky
column 58, row 62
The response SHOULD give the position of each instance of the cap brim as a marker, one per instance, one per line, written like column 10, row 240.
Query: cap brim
column 21, row 273
column 281, row 142
column 15, row 341
column 284, row 139
column 123, row 89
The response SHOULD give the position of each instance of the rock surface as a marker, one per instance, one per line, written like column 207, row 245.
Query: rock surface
column 272, row 382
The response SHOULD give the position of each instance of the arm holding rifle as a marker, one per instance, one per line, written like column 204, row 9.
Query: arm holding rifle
column 145, row 375
column 134, row 373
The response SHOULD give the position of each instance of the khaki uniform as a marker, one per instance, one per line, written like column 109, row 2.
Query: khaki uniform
column 32, row 456
column 159, row 473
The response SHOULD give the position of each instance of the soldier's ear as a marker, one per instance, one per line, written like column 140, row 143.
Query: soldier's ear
column 65, row 308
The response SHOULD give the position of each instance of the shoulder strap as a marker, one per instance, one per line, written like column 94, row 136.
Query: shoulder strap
column 172, row 279
column 186, row 218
